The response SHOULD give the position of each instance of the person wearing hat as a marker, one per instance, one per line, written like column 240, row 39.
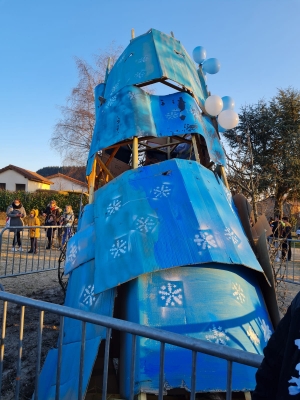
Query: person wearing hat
column 34, row 233
column 16, row 212
column 51, row 214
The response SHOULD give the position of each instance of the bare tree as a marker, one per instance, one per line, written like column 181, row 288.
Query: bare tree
column 73, row 132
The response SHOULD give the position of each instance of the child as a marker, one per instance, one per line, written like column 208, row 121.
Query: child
column 34, row 232
column 66, row 221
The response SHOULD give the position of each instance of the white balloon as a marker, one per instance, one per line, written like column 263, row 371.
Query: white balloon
column 228, row 119
column 213, row 105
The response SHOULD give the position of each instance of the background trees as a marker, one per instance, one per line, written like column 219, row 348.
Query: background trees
column 265, row 156
column 73, row 132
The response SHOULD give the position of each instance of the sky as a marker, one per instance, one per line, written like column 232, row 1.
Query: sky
column 256, row 41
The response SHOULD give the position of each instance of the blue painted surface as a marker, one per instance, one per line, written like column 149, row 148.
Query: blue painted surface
column 174, row 213
column 133, row 112
column 216, row 303
column 80, row 295
column 152, row 56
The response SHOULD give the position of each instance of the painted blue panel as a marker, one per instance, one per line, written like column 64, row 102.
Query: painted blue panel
column 87, row 217
column 70, row 370
column 81, row 248
column 175, row 213
column 133, row 112
column 154, row 55
column 80, row 295
column 217, row 303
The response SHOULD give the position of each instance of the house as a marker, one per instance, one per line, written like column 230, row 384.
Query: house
column 15, row 178
column 64, row 182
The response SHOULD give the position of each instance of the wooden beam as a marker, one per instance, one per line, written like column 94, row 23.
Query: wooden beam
column 91, row 182
column 135, row 152
column 112, row 155
column 104, row 167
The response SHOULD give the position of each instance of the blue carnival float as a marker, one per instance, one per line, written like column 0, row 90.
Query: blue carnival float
column 162, row 230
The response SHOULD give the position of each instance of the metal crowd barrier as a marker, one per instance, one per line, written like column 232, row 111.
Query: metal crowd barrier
column 164, row 337
column 14, row 263
column 285, row 269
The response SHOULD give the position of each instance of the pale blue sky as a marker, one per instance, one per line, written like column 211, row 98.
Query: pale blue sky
column 257, row 42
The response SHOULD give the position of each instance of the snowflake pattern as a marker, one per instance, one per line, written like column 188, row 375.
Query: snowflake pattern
column 88, row 297
column 142, row 59
column 111, row 101
column 294, row 390
column 72, row 253
column 238, row 293
column 162, row 191
column 145, row 225
column 133, row 95
column 171, row 294
column 120, row 247
column 230, row 235
column 114, row 206
column 217, row 335
column 173, row 114
column 253, row 336
column 167, row 386
column 115, row 87
column 140, row 74
column 266, row 329
column 205, row 240
column 195, row 112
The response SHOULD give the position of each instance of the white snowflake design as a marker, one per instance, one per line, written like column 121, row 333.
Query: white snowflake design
column 238, row 293
column 114, row 206
column 115, row 87
column 171, row 294
column 140, row 74
column 111, row 101
column 173, row 114
column 162, row 191
column 133, row 95
column 72, row 253
column 145, row 225
column 205, row 240
column 266, row 329
column 230, row 235
column 89, row 295
column 253, row 336
column 195, row 112
column 142, row 59
column 120, row 247
column 217, row 335
column 294, row 390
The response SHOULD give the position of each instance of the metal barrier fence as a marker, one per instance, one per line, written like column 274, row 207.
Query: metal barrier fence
column 164, row 337
column 285, row 259
column 15, row 260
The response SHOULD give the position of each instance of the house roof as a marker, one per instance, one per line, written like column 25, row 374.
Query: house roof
column 59, row 175
column 30, row 175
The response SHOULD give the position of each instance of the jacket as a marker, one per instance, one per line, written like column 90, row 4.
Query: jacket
column 13, row 213
column 52, row 215
column 278, row 377
column 34, row 221
column 67, row 219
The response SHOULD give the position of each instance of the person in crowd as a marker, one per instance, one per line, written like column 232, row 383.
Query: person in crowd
column 286, row 234
column 51, row 214
column 278, row 377
column 16, row 212
column 298, row 233
column 34, row 233
column 66, row 221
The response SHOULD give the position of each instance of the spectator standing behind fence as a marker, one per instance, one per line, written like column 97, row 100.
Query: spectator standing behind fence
column 34, row 232
column 298, row 233
column 286, row 234
column 51, row 214
column 16, row 212
column 66, row 221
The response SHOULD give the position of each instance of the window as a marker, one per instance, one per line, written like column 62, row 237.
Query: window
column 20, row 186
column 2, row 186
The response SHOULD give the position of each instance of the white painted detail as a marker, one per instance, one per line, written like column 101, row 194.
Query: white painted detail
column 171, row 294
column 120, row 247
column 162, row 191
column 238, row 293
column 253, row 336
column 89, row 295
column 217, row 335
column 114, row 206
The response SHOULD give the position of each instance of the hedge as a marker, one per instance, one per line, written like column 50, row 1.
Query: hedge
column 41, row 198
